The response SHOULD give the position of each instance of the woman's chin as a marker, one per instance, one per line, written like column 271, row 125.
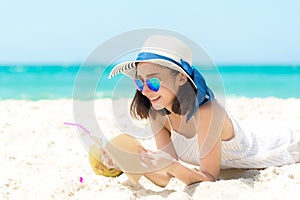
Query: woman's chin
column 157, row 106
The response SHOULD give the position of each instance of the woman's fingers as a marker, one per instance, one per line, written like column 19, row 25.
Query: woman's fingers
column 156, row 160
column 147, row 159
column 141, row 149
column 107, row 160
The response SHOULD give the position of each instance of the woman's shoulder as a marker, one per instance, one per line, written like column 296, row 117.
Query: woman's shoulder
column 212, row 109
column 212, row 105
column 214, row 112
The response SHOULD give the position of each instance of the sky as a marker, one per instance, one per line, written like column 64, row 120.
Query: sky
column 231, row 31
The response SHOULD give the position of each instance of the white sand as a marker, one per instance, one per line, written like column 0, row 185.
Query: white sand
column 41, row 158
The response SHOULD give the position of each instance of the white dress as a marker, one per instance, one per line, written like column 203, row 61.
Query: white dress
column 253, row 147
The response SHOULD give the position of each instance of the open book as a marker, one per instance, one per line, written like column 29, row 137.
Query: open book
column 123, row 149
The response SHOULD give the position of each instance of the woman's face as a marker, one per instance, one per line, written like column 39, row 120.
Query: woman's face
column 166, row 94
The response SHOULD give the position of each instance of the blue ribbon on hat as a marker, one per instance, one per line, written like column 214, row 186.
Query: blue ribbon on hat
column 203, row 94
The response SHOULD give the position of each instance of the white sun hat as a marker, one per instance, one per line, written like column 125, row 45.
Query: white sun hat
column 162, row 50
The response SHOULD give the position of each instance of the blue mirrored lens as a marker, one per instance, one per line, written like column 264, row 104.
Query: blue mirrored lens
column 153, row 84
column 139, row 84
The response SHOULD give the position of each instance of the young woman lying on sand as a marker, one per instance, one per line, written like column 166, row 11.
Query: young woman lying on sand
column 189, row 124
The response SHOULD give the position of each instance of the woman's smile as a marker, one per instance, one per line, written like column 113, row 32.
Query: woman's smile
column 154, row 98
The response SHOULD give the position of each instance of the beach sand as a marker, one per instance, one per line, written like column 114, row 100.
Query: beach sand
column 41, row 158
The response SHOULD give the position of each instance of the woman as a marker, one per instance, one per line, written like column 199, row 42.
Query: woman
column 189, row 124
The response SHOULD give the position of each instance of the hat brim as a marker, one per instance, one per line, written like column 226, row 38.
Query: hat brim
column 129, row 68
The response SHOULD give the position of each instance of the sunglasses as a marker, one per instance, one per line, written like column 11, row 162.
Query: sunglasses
column 152, row 83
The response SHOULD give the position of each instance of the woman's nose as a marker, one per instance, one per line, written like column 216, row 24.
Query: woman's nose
column 146, row 89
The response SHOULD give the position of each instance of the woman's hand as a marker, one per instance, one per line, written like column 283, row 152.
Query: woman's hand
column 107, row 161
column 155, row 160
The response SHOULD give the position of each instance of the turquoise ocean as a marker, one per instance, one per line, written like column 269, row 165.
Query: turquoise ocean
column 34, row 82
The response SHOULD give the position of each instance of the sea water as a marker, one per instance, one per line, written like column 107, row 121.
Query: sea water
column 34, row 82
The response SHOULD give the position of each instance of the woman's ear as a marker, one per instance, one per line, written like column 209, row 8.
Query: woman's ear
column 181, row 79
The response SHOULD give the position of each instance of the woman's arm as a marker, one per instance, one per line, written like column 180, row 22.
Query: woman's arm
column 158, row 178
column 162, row 136
column 187, row 175
column 181, row 172
column 162, row 167
column 210, row 128
column 163, row 142
column 165, row 167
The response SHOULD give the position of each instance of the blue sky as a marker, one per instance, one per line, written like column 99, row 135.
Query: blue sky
column 231, row 31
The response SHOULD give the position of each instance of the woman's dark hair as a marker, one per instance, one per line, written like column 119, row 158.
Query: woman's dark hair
column 184, row 101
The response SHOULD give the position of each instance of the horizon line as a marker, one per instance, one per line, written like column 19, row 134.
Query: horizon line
column 73, row 64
